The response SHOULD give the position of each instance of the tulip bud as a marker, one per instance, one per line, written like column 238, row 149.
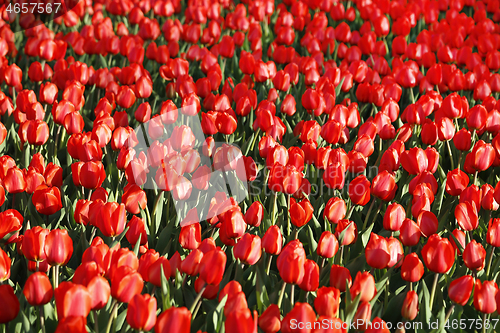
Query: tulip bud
column 410, row 306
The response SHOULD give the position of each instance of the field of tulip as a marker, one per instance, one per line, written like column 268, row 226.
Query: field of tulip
column 249, row 166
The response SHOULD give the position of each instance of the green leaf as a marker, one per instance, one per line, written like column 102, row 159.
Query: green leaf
column 365, row 237
column 339, row 87
column 138, row 245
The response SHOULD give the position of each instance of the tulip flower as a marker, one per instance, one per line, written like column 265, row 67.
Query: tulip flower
column 174, row 320
column 384, row 186
column 34, row 244
column 460, row 289
column 377, row 252
column 485, row 296
column 212, row 266
column 190, row 236
column 155, row 271
column 100, row 291
column 474, row 256
column 254, row 214
column 72, row 324
column 58, row 247
column 8, row 297
column 4, row 266
column 359, row 190
column 301, row 212
column 72, row 300
column 412, row 268
column 328, row 245
column 241, row 321
column 141, row 312
column 456, row 182
column 364, row 284
column 269, row 320
column 248, row 249
column 438, row 254
column 326, row 302
column 310, row 282
column 38, row 289
column 301, row 313
column 272, row 241
column 410, row 305
column 125, row 284
column 394, row 217
column 291, row 262
column 362, row 316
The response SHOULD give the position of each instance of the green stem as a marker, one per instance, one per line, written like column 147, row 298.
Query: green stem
column 350, row 211
column 269, row 264
column 274, row 207
column 368, row 214
column 484, row 322
column 42, row 318
column 55, row 276
column 475, row 178
column 433, row 290
column 292, row 295
column 113, row 315
column 282, row 293
column 451, row 155
column 197, row 299
column 448, row 314
column 96, row 322
column 488, row 267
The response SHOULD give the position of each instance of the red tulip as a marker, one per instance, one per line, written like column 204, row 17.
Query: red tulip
column 474, row 256
column 8, row 297
column 438, row 254
column 241, row 321
column 412, row 268
column 301, row 313
column 291, row 262
column 467, row 216
column 310, row 282
column 125, row 284
column 248, row 249
column 141, row 312
column 384, row 186
column 364, row 284
column 485, row 296
column 174, row 320
column 327, row 301
column 328, row 245
column 272, row 241
column 270, row 319
column 72, row 300
column 301, row 212
column 38, row 289
column 110, row 219
column 212, row 266
column 410, row 305
column 340, row 277
column 4, row 266
column 456, row 182
column 359, row 190
column 58, row 247
column 254, row 214
column 33, row 243
column 493, row 233
column 47, row 200
column 377, row 252
column 460, row 289
column 394, row 217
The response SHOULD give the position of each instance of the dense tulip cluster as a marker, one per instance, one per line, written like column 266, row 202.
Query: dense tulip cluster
column 250, row 166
